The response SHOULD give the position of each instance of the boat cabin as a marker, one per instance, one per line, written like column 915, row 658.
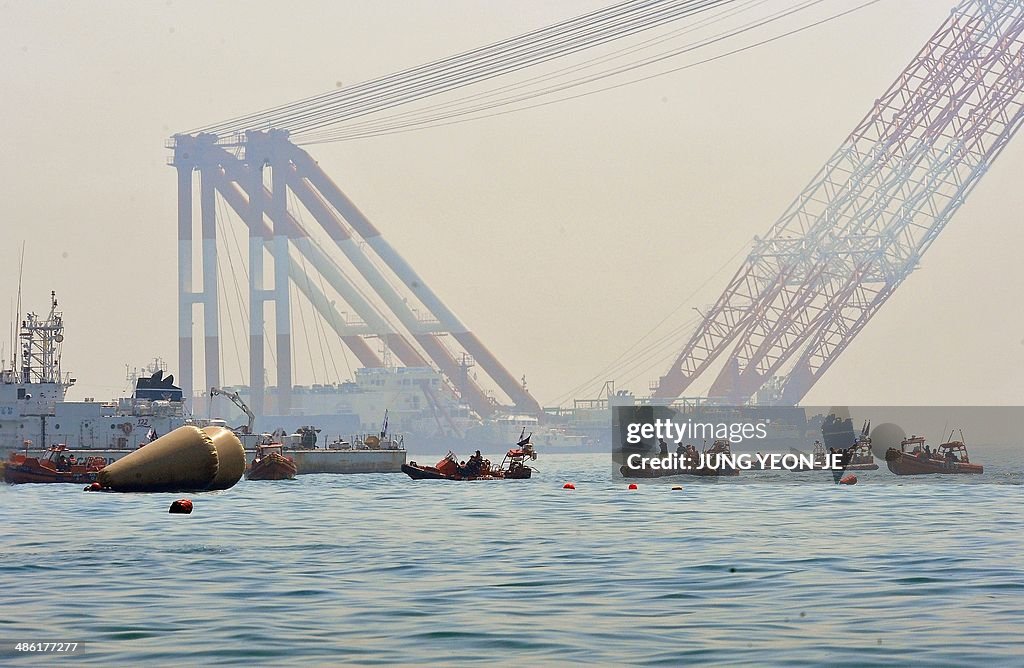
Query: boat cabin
column 917, row 443
column 953, row 451
column 862, row 452
column 818, row 454
column 267, row 450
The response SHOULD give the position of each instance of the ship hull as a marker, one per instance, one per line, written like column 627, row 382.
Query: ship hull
column 272, row 467
column 18, row 474
column 419, row 472
column 319, row 460
column 902, row 463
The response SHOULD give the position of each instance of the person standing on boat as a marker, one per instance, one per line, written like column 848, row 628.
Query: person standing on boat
column 475, row 462
column 691, row 453
column 663, row 446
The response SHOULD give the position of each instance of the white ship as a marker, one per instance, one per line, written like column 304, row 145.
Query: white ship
column 35, row 413
column 421, row 405
column 418, row 402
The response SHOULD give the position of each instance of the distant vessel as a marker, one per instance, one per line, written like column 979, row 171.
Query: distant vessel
column 270, row 463
column 862, row 459
column 505, row 428
column 34, row 409
column 57, row 466
column 422, row 405
column 512, row 467
column 415, row 397
column 950, row 458
column 33, row 406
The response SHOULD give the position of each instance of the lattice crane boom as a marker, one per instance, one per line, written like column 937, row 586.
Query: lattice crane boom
column 861, row 226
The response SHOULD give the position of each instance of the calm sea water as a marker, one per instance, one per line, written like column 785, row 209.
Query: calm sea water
column 379, row 569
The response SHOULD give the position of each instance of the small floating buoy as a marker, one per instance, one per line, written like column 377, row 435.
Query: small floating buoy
column 677, row 488
column 632, row 485
column 848, row 479
column 568, row 485
column 181, row 507
column 95, row 487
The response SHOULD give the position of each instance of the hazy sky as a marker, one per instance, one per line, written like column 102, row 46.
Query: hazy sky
column 560, row 235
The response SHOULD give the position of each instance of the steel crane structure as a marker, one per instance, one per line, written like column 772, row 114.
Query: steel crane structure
column 418, row 319
column 237, row 401
column 807, row 288
column 860, row 227
column 399, row 308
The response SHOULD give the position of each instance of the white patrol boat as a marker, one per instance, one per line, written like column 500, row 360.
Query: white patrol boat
column 35, row 414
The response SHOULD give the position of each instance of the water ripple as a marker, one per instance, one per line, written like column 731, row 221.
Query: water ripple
column 378, row 569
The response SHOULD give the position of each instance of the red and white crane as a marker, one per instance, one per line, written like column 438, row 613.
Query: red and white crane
column 860, row 227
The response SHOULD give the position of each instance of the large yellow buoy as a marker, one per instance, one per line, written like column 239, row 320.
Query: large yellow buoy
column 186, row 459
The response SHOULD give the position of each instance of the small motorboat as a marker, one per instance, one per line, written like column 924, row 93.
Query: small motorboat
column 57, row 466
column 858, row 456
column 862, row 459
column 512, row 467
column 950, row 457
column 270, row 463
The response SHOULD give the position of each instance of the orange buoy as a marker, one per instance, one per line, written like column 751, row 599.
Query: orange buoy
column 568, row 485
column 181, row 507
column 848, row 479
column 632, row 485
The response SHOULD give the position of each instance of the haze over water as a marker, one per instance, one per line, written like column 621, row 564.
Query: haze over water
column 381, row 569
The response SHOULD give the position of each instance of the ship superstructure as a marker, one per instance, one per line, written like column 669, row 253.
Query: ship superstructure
column 33, row 384
column 34, row 411
column 417, row 398
column 35, row 414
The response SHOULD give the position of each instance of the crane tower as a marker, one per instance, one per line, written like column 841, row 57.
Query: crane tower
column 860, row 227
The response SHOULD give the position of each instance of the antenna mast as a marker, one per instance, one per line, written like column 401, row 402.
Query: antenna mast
column 17, row 315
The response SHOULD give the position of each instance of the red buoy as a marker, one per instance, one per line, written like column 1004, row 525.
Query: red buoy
column 95, row 487
column 568, row 485
column 181, row 507
column 632, row 485
column 848, row 479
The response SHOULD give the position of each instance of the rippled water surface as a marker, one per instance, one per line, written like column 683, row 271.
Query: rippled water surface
column 381, row 569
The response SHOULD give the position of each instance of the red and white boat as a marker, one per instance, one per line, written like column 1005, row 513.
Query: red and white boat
column 512, row 467
column 270, row 463
column 862, row 458
column 57, row 466
column 950, row 457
